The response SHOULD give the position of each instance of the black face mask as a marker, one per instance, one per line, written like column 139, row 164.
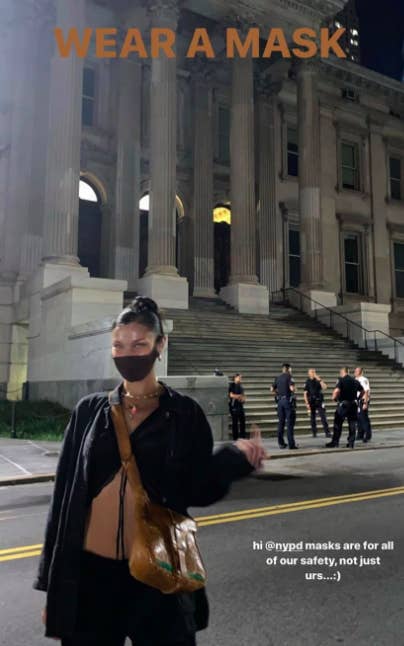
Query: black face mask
column 136, row 368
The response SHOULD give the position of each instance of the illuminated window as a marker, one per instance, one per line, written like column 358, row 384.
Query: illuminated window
column 222, row 214
column 86, row 192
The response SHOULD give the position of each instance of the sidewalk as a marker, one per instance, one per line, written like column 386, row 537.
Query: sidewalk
column 25, row 461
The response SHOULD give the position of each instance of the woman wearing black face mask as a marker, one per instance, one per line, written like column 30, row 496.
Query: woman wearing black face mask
column 92, row 599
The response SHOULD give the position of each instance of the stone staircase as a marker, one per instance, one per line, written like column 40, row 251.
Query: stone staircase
column 211, row 335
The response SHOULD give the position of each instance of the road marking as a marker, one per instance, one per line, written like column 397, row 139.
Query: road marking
column 26, row 548
column 28, row 473
column 24, row 555
column 28, row 551
column 303, row 504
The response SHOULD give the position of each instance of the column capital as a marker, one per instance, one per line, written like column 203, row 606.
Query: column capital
column 304, row 67
column 164, row 13
column 202, row 71
column 266, row 87
column 41, row 12
column 242, row 20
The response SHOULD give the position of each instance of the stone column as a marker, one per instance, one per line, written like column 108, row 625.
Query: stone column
column 203, row 182
column 310, row 183
column 18, row 84
column 243, row 292
column 127, row 192
column 270, row 235
column 63, row 161
column 161, row 280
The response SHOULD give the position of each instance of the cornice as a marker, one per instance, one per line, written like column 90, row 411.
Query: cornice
column 362, row 78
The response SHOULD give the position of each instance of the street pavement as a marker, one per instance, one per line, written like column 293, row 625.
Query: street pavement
column 27, row 461
column 345, row 497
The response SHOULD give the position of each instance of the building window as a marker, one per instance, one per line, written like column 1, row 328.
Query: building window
column 350, row 166
column 224, row 134
column 88, row 100
column 353, row 266
column 395, row 178
column 294, row 258
column 293, row 152
column 399, row 268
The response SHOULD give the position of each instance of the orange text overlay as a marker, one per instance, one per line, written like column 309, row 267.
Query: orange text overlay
column 305, row 43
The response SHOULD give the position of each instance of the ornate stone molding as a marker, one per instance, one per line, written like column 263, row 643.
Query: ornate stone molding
column 36, row 11
column 164, row 12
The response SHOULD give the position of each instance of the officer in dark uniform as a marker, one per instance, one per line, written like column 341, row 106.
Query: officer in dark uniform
column 284, row 388
column 236, row 406
column 314, row 400
column 346, row 393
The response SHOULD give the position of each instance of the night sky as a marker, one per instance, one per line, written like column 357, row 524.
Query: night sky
column 382, row 35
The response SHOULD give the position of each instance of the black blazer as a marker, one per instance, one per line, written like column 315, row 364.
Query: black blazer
column 192, row 476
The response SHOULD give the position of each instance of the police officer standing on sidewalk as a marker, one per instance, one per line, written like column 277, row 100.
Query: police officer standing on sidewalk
column 314, row 400
column 236, row 405
column 346, row 395
column 364, row 425
column 284, row 388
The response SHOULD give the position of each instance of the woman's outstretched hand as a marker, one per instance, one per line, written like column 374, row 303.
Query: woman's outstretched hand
column 253, row 449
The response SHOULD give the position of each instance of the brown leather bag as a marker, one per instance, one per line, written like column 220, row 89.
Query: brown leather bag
column 164, row 554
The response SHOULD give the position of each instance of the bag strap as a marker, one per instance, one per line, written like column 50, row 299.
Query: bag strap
column 125, row 450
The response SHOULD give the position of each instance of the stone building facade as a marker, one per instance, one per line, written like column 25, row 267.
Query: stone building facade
column 261, row 174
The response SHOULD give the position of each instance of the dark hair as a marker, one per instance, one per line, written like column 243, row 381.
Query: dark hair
column 286, row 365
column 144, row 311
column 346, row 369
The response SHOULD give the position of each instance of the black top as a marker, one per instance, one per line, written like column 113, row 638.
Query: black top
column 349, row 388
column 236, row 404
column 282, row 385
column 314, row 390
column 174, row 451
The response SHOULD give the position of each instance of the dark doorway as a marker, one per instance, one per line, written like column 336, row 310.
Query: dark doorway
column 89, row 233
column 222, row 229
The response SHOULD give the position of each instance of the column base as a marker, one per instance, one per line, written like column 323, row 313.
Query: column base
column 319, row 299
column 167, row 291
column 246, row 298
column 204, row 292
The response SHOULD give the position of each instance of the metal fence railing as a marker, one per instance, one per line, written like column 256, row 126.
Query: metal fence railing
column 351, row 330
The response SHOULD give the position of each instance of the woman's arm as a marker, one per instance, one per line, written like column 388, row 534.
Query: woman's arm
column 52, row 524
column 212, row 474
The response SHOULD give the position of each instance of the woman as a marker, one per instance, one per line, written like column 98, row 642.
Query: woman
column 91, row 597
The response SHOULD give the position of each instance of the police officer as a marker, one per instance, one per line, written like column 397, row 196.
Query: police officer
column 364, row 425
column 236, row 405
column 314, row 400
column 346, row 395
column 284, row 388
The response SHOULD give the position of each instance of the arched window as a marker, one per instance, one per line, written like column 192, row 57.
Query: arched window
column 90, row 223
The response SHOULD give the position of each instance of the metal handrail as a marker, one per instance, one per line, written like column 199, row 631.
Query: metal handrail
column 347, row 321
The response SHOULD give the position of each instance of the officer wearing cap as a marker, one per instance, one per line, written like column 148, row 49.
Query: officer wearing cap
column 284, row 388
column 346, row 394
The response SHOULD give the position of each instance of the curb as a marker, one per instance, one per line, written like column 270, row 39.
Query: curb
column 308, row 452
column 49, row 477
column 31, row 479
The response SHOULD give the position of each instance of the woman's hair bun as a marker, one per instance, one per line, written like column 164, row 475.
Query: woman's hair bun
column 144, row 304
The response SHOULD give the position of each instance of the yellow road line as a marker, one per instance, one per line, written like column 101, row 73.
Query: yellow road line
column 303, row 503
column 26, row 548
column 247, row 514
column 22, row 555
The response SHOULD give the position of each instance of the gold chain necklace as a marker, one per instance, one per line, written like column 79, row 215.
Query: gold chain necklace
column 133, row 409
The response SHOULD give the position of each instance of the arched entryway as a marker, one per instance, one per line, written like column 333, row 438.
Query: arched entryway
column 180, row 255
column 90, row 228
column 222, row 226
